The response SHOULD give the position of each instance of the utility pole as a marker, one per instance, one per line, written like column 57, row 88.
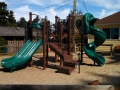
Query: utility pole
column 74, row 18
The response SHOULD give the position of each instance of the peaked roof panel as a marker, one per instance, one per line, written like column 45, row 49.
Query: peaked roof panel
column 111, row 19
column 13, row 31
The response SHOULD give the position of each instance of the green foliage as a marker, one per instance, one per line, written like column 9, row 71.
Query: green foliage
column 11, row 19
column 22, row 22
column 36, row 19
column 2, row 41
column 6, row 16
column 3, row 14
column 3, row 44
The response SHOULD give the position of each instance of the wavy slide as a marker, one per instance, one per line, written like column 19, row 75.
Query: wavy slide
column 99, row 38
column 23, row 56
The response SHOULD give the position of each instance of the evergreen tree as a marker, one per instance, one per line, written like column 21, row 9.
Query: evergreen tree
column 36, row 19
column 22, row 22
column 6, row 16
column 3, row 14
column 11, row 19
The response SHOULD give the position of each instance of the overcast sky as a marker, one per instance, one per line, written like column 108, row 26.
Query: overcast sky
column 61, row 8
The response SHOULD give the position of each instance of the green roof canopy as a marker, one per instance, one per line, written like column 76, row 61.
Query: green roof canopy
column 35, row 25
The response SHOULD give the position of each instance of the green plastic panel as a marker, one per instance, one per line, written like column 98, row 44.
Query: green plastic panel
column 23, row 56
column 99, row 38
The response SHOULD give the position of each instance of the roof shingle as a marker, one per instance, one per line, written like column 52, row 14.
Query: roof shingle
column 112, row 19
column 13, row 31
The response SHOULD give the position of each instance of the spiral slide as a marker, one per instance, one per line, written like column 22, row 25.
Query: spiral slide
column 23, row 56
column 99, row 38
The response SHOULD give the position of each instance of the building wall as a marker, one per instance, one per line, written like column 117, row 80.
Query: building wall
column 107, row 48
column 13, row 38
column 115, row 42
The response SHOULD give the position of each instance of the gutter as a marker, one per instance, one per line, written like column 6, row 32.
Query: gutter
column 108, row 24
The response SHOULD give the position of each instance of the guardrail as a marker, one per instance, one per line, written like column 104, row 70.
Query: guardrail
column 110, row 45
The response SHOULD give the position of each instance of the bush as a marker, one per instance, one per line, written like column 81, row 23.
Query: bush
column 3, row 44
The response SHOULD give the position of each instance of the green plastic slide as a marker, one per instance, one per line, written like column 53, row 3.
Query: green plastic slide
column 99, row 38
column 23, row 56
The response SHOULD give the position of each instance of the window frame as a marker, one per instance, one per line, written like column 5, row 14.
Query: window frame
column 111, row 31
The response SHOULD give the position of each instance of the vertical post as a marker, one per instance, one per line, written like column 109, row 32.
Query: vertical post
column 44, row 45
column 30, row 29
column 79, row 55
column 47, row 37
column 74, row 18
column 56, row 21
column 82, row 43
column 26, row 33
column 59, row 25
column 111, row 49
column 37, row 34
column 119, row 34
column 14, row 45
column 69, row 34
column 61, row 29
column 30, row 17
column 30, row 36
column 37, row 28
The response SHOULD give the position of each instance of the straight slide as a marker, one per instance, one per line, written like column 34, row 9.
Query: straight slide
column 99, row 38
column 25, row 53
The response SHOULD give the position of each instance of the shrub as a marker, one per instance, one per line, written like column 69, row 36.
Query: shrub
column 3, row 44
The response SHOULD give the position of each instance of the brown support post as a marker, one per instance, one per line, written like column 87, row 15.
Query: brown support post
column 55, row 57
column 56, row 21
column 69, row 34
column 82, row 44
column 44, row 45
column 61, row 29
column 30, row 18
column 14, row 47
column 47, row 37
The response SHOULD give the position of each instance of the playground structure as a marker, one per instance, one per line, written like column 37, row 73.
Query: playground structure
column 67, row 64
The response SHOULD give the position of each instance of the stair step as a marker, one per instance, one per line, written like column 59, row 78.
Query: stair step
column 67, row 57
column 55, row 48
column 65, row 69
column 70, row 63
column 65, row 35
column 64, row 52
column 60, row 52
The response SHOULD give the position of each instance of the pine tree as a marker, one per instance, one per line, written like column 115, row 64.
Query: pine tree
column 11, row 19
column 22, row 22
column 36, row 19
column 3, row 14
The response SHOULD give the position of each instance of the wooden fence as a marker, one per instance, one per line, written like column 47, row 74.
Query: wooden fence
column 14, row 46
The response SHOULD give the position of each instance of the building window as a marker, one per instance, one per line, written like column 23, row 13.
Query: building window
column 112, row 33
column 107, row 31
